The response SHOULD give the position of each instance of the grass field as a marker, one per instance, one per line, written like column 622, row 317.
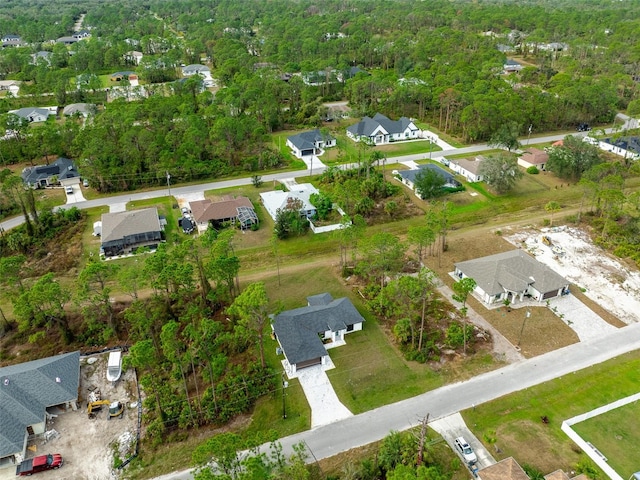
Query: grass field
column 513, row 423
column 616, row 434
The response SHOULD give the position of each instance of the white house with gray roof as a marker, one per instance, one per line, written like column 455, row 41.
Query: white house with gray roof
column 27, row 390
column 513, row 276
column 305, row 333
column 380, row 130
column 310, row 143
column 34, row 114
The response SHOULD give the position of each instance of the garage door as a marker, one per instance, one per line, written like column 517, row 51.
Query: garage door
column 549, row 294
column 309, row 363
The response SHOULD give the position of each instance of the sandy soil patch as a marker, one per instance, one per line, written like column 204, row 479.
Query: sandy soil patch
column 606, row 281
column 87, row 445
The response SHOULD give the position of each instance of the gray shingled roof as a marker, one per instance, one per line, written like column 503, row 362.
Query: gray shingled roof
column 297, row 330
column 121, row 225
column 27, row 389
column 62, row 168
column 307, row 140
column 411, row 174
column 512, row 270
column 368, row 125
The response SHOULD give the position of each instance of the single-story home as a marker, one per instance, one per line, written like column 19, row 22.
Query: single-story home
column 507, row 469
column 84, row 109
column 534, row 157
column 82, row 34
column 510, row 469
column 67, row 40
column 627, row 147
column 62, row 171
column 303, row 332
column 41, row 56
column 469, row 168
column 229, row 209
column 277, row 199
column 133, row 57
column 512, row 276
column 27, row 391
column 34, row 114
column 380, row 130
column 119, row 76
column 195, row 69
column 12, row 86
column 10, row 40
column 408, row 177
column 512, row 66
column 123, row 232
column 310, row 143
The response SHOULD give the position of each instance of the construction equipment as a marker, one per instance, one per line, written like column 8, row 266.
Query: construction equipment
column 547, row 241
column 116, row 409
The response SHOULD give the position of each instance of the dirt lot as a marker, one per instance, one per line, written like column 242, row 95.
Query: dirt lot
column 87, row 446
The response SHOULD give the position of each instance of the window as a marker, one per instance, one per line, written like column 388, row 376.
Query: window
column 349, row 328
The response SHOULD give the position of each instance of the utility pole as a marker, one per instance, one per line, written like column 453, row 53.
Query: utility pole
column 285, row 384
column 529, row 136
column 527, row 315
column 169, row 182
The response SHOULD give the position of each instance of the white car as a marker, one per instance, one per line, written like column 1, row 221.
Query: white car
column 465, row 450
column 68, row 190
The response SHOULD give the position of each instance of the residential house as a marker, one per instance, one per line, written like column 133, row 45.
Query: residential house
column 67, row 40
column 229, row 209
column 512, row 276
column 82, row 34
column 195, row 69
column 11, row 86
column 278, row 200
column 43, row 56
column 10, row 40
column 28, row 391
column 512, row 66
column 61, row 172
column 133, row 57
column 305, row 333
column 408, row 177
column 34, row 114
column 627, row 147
column 468, row 168
column 510, row 469
column 534, row 157
column 83, row 109
column 123, row 232
column 310, row 143
column 507, row 469
column 380, row 130
column 201, row 70
column 321, row 77
column 125, row 75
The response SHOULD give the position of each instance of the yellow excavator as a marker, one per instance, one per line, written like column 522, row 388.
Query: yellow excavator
column 116, row 409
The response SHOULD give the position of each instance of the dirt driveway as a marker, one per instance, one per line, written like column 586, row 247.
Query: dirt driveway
column 87, row 446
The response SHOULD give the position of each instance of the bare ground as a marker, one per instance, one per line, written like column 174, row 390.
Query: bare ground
column 87, row 446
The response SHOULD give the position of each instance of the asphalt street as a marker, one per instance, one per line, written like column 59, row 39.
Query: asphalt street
column 329, row 440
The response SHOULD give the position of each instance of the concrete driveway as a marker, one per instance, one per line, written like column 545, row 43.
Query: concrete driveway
column 452, row 427
column 76, row 196
column 325, row 406
column 584, row 321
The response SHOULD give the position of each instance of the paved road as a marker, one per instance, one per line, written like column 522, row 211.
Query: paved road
column 374, row 425
column 190, row 189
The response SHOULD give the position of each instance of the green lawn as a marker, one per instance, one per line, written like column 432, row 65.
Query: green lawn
column 514, row 421
column 617, row 435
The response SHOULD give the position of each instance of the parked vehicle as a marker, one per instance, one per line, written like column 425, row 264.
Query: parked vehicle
column 583, row 127
column 465, row 450
column 39, row 464
column 68, row 189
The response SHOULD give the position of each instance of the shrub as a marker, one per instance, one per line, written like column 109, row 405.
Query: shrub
column 533, row 170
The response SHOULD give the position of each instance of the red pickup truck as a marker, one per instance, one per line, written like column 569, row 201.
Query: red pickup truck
column 39, row 464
